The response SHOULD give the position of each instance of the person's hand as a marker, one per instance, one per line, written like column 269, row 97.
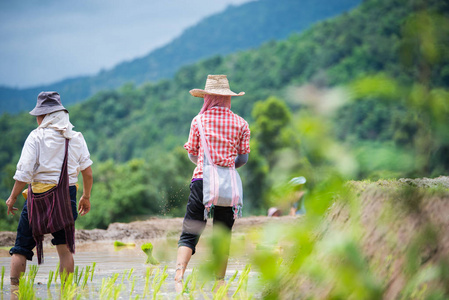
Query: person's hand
column 84, row 205
column 10, row 203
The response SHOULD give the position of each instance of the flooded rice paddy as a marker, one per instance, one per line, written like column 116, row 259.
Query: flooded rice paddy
column 121, row 273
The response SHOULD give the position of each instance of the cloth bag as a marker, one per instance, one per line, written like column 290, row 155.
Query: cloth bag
column 51, row 211
column 222, row 186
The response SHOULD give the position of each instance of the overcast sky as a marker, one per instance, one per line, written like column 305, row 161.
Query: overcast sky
column 43, row 41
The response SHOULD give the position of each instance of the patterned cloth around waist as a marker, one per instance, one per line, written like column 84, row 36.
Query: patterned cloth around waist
column 39, row 187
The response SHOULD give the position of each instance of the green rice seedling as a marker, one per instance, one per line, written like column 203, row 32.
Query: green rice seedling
column 203, row 292
column 130, row 273
column 222, row 291
column 116, row 292
column 148, row 249
column 79, row 277
column 147, row 280
column 86, row 277
column 185, row 286
column 215, row 285
column 33, row 272
column 243, row 282
column 122, row 244
column 49, row 295
column 155, row 277
column 107, row 285
column 75, row 274
column 50, row 278
column 109, row 290
column 3, row 276
column 157, row 283
column 125, row 273
column 233, row 277
column 65, row 278
column 194, row 281
column 103, row 287
column 68, row 288
column 26, row 287
column 132, row 286
column 93, row 270
column 57, row 272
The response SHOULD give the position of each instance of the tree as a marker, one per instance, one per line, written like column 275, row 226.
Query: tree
column 270, row 118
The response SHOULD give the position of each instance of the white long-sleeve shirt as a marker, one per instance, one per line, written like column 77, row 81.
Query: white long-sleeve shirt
column 43, row 154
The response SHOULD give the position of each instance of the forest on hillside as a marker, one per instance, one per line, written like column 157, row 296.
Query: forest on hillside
column 360, row 96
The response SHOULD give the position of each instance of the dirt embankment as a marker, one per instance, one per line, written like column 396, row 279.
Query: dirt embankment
column 142, row 230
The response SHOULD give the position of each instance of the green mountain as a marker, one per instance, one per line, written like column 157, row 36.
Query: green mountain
column 237, row 28
column 135, row 134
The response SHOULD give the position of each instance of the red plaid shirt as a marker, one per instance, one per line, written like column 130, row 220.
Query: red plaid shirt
column 227, row 135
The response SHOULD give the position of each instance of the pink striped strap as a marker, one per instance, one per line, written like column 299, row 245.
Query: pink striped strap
column 215, row 183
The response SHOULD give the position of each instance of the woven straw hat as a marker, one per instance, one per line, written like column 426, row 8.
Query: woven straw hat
column 215, row 85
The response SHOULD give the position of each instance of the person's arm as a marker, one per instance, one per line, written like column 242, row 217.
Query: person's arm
column 193, row 158
column 241, row 160
column 193, row 144
column 24, row 172
column 84, row 204
column 16, row 190
column 243, row 147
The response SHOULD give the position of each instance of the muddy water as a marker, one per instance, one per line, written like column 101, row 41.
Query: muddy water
column 111, row 260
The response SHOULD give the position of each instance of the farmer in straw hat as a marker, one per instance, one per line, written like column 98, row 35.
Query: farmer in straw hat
column 228, row 135
column 51, row 159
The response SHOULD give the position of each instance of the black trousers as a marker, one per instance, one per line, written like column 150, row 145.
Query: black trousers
column 194, row 223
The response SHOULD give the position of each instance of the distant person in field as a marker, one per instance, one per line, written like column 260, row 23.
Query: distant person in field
column 228, row 136
column 51, row 159
column 298, row 207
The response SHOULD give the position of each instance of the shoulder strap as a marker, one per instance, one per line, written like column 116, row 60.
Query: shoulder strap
column 64, row 162
column 203, row 140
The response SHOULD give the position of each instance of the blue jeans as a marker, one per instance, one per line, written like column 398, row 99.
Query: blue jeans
column 25, row 242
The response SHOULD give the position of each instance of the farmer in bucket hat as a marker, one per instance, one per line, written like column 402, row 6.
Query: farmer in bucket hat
column 227, row 136
column 51, row 159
